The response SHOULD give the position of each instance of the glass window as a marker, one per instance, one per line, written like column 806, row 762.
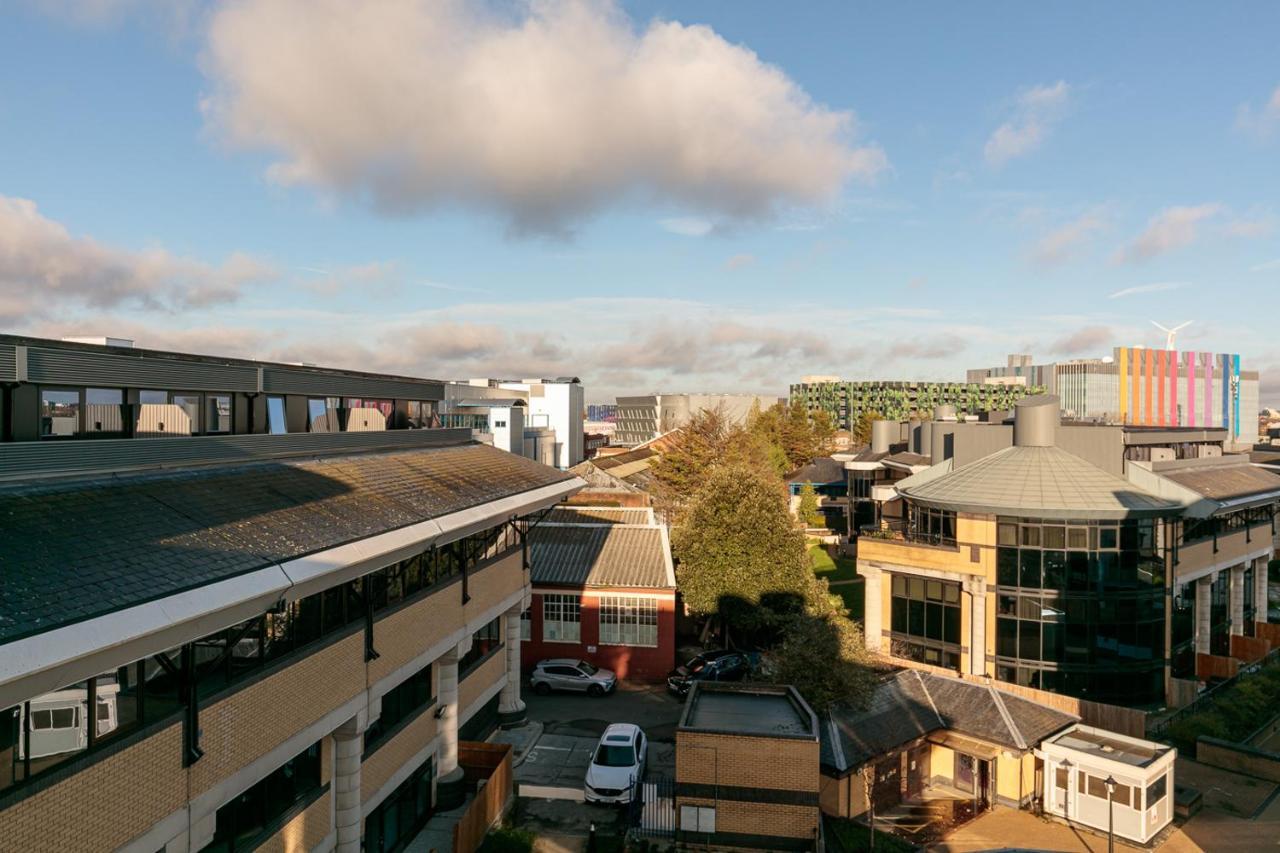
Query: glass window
column 560, row 618
column 1060, row 778
column 1156, row 791
column 190, row 404
column 487, row 638
column 153, row 398
column 322, row 414
column 526, row 625
column 276, row 423
column 59, row 413
column 243, row 822
column 628, row 621
column 402, row 813
column 217, row 413
column 399, row 703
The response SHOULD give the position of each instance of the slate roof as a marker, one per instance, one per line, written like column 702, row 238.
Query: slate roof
column 73, row 550
column 1226, row 482
column 905, row 458
column 600, row 555
column 597, row 515
column 1039, row 482
column 604, row 463
column 913, row 704
column 824, row 469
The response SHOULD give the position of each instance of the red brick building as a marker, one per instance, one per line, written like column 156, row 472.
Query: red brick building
column 604, row 591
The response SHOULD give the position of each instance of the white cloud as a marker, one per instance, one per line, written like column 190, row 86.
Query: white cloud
column 1266, row 266
column 1155, row 287
column 1061, row 245
column 1256, row 226
column 39, row 257
column 687, row 226
column 740, row 261
column 542, row 115
column 1262, row 121
column 1036, row 111
column 1171, row 228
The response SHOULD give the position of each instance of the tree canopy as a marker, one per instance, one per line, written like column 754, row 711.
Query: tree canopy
column 861, row 431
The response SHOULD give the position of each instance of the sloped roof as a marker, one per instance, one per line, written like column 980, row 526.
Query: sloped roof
column 823, row 469
column 598, row 515
column 913, row 704
column 905, row 458
column 606, row 463
column 1037, row 482
column 601, row 555
column 1226, row 482
column 73, row 550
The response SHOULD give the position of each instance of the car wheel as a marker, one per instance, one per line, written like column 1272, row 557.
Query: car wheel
column 542, row 688
column 595, row 690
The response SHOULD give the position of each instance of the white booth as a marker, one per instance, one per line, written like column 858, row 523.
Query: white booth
column 1109, row 781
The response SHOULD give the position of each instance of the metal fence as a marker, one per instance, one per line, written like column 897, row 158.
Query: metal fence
column 1160, row 729
column 652, row 812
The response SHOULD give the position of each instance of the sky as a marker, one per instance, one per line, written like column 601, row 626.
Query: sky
column 693, row 196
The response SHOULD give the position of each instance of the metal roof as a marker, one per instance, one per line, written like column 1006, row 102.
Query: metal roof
column 73, row 550
column 601, row 555
column 1037, row 482
column 1226, row 482
column 756, row 709
column 598, row 515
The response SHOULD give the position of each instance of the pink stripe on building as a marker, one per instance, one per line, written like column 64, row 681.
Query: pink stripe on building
column 1191, row 389
column 1174, row 420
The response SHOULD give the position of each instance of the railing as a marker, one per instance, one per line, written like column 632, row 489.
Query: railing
column 652, row 809
column 1160, row 730
column 901, row 531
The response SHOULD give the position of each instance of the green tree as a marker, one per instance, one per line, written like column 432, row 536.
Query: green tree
column 808, row 510
column 708, row 440
column 798, row 437
column 823, row 656
column 862, row 428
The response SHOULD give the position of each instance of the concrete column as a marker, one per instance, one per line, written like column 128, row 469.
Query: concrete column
column 510, row 707
column 1203, row 608
column 978, row 629
column 1237, row 599
column 348, row 744
column 450, row 791
column 1260, row 589
column 872, row 607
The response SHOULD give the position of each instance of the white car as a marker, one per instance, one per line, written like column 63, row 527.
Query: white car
column 617, row 766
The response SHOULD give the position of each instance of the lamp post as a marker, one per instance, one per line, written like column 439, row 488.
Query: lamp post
column 1111, row 825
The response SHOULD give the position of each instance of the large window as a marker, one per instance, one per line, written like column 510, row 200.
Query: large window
column 421, row 414
column 526, row 625
column 364, row 414
column 483, row 641
column 59, row 413
column 276, row 422
column 399, row 704
column 627, row 620
column 399, row 817
column 932, row 526
column 244, row 822
column 217, row 413
column 561, row 619
column 925, row 620
column 323, row 414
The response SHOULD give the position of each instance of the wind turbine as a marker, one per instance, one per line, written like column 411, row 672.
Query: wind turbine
column 1171, row 335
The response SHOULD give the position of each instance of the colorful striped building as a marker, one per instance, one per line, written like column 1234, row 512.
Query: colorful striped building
column 1197, row 389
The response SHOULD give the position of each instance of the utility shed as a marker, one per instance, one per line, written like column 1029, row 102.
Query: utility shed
column 1085, row 767
column 747, row 761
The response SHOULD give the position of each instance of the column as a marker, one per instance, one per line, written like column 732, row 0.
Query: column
column 1260, row 589
column 510, row 707
column 450, row 790
column 348, row 744
column 1203, row 615
column 1237, row 599
column 978, row 628
column 872, row 607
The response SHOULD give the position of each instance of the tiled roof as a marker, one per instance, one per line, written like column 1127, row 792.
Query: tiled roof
column 604, row 463
column 905, row 458
column 1226, row 482
column 597, row 515
column 74, row 550
column 913, row 704
column 602, row 555
column 1041, row 482
column 824, row 469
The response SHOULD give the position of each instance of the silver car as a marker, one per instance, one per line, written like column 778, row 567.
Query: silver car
column 573, row 675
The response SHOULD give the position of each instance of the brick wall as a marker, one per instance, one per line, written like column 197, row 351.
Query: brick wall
column 741, row 818
column 635, row 663
column 1239, row 758
column 104, row 806
column 303, row 833
column 393, row 754
column 481, row 679
column 495, row 582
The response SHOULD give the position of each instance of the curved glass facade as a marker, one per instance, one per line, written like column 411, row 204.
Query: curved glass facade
column 1080, row 608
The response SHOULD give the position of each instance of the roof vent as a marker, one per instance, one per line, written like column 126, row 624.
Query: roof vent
column 882, row 435
column 1035, row 421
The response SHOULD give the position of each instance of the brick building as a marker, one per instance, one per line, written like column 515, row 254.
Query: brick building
column 604, row 590
column 268, row 629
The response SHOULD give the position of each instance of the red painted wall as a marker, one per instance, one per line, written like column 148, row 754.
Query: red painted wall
column 632, row 663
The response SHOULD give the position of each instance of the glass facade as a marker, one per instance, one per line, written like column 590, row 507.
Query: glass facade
column 1080, row 608
column 925, row 621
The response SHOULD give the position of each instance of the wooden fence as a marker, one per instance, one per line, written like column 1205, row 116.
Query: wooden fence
column 1125, row 721
column 488, row 765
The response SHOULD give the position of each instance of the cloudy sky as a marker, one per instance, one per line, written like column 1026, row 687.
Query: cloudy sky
column 675, row 196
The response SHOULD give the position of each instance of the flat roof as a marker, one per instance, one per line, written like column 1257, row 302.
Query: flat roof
column 757, row 709
column 1135, row 753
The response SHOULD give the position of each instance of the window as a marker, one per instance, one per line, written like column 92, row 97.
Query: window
column 217, row 413
column 323, row 415
column 364, row 415
column 483, row 641
column 399, row 817
column 698, row 819
column 628, row 620
column 55, row 718
column 526, row 625
column 255, row 814
column 1156, row 791
column 401, row 703
column 276, row 423
column 1060, row 777
column 560, row 619
column 420, row 414
column 925, row 620
column 189, row 403
column 59, row 413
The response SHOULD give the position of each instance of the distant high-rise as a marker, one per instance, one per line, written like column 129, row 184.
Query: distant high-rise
column 846, row 402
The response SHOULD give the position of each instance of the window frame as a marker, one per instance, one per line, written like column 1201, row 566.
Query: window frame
column 562, row 605
column 620, row 610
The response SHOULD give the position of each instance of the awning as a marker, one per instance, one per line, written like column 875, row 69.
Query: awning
column 967, row 745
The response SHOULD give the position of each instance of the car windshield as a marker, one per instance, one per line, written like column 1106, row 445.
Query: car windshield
column 587, row 668
column 615, row 755
column 696, row 665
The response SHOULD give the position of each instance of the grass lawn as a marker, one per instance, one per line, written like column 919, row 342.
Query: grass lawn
column 855, row 838
column 852, row 595
column 839, row 569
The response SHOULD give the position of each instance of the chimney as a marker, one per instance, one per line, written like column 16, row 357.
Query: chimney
column 882, row 435
column 1035, row 421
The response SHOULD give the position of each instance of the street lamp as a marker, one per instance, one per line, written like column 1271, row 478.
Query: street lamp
column 1111, row 826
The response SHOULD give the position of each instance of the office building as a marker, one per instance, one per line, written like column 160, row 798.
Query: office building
column 845, row 402
column 246, row 605
column 540, row 419
column 1124, row 564
column 642, row 419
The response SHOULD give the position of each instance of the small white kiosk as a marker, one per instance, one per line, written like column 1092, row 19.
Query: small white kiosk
column 1109, row 781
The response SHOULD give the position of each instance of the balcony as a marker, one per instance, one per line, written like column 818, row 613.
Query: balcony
column 901, row 531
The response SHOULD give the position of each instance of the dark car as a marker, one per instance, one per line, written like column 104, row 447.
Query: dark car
column 723, row 665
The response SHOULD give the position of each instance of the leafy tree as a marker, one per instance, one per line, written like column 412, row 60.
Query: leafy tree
column 799, row 436
column 862, row 428
column 706, row 441
column 823, row 655
column 808, row 510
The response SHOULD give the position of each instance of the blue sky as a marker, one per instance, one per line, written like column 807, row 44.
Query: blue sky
column 675, row 196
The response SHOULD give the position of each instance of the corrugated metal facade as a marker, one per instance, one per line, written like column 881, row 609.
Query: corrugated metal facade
column 277, row 380
column 76, row 367
column 8, row 365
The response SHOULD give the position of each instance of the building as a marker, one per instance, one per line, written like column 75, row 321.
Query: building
column 846, row 402
column 1148, row 387
column 604, row 591
column 1043, row 554
column 747, row 769
column 830, row 486
column 602, row 412
column 271, row 628
column 549, row 427
column 643, row 419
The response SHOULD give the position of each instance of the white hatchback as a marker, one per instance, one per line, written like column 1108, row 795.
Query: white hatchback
column 617, row 765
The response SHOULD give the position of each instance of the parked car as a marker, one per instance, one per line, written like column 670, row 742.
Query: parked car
column 572, row 675
column 722, row 665
column 617, row 765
